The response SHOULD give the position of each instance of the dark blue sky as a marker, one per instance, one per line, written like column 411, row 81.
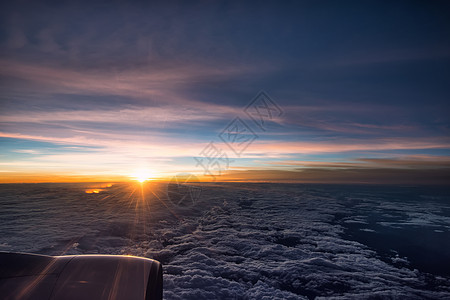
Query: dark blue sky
column 102, row 89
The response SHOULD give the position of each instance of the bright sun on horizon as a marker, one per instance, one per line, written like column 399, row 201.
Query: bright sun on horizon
column 143, row 175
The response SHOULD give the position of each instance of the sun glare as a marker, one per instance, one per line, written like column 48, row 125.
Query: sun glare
column 143, row 175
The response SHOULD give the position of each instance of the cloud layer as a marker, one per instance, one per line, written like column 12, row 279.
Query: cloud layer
column 247, row 241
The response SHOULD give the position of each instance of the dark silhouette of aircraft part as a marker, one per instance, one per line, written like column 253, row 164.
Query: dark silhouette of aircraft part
column 34, row 277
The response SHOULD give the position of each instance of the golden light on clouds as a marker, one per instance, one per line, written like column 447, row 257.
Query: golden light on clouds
column 93, row 191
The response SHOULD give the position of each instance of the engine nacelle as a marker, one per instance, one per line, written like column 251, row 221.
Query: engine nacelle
column 35, row 277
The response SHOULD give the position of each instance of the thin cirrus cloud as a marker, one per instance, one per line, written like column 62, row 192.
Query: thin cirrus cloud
column 263, row 147
column 409, row 162
column 145, row 116
column 144, row 83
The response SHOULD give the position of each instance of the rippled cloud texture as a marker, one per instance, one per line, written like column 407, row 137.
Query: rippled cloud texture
column 248, row 241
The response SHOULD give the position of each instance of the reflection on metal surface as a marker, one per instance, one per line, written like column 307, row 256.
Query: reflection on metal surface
column 30, row 276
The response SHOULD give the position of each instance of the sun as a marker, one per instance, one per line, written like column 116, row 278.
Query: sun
column 143, row 175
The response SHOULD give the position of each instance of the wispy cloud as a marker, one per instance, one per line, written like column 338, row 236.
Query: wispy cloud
column 403, row 162
column 346, row 145
column 348, row 175
column 27, row 151
column 155, row 84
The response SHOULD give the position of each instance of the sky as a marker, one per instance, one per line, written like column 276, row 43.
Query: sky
column 290, row 91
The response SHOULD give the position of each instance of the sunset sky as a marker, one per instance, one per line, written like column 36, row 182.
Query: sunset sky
column 105, row 92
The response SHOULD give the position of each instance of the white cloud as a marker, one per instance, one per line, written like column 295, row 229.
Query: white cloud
column 240, row 241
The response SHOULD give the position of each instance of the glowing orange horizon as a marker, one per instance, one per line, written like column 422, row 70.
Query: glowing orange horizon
column 304, row 175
